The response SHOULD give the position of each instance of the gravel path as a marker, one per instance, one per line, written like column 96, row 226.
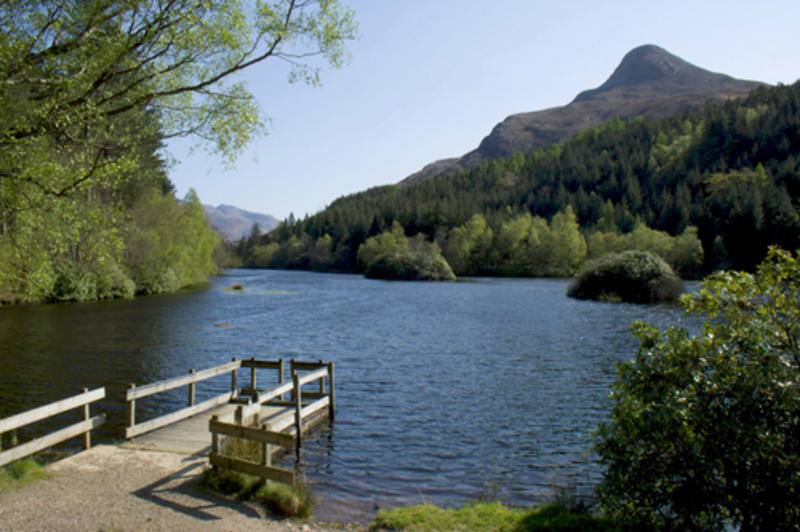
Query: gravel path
column 113, row 489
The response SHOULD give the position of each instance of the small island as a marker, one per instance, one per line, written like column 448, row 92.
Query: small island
column 630, row 276
column 406, row 266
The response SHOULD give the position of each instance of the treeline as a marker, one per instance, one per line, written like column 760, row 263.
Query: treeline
column 129, row 236
column 88, row 93
column 725, row 177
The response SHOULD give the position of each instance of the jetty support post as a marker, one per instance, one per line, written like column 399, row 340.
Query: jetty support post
column 132, row 408
column 298, row 410
column 266, row 448
column 191, row 389
column 87, row 437
column 253, row 377
column 292, row 372
column 214, row 440
column 280, row 374
column 234, row 394
column 330, row 391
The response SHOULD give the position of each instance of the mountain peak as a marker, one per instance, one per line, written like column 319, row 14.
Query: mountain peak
column 651, row 64
column 649, row 81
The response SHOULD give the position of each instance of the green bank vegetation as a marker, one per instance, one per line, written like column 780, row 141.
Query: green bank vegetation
column 708, row 189
column 21, row 473
column 492, row 516
column 89, row 92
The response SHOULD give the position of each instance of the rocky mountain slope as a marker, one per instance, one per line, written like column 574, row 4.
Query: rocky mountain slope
column 233, row 223
column 649, row 82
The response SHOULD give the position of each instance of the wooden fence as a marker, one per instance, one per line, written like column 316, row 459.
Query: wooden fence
column 191, row 409
column 247, row 426
column 43, row 412
column 256, row 395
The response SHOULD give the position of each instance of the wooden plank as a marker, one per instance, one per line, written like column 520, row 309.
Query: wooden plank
column 189, row 436
column 176, row 382
column 261, row 364
column 183, row 413
column 305, row 366
column 43, row 412
column 275, row 392
column 277, row 474
column 251, row 433
column 314, row 395
column 282, row 421
column 314, row 375
column 34, row 446
column 313, row 407
column 287, row 403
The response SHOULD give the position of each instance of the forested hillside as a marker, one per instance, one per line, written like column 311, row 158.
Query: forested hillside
column 706, row 189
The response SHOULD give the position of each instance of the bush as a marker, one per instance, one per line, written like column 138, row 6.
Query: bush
column 407, row 266
column 631, row 276
column 705, row 429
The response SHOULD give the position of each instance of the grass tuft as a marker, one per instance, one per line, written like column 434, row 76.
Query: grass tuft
column 229, row 483
column 491, row 516
column 21, row 473
column 285, row 501
column 478, row 516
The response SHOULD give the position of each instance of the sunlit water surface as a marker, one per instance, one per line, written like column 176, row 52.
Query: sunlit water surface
column 446, row 392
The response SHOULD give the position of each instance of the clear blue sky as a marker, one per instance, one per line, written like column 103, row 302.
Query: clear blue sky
column 428, row 79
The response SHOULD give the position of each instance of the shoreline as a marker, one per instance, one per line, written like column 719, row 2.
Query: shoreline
column 112, row 488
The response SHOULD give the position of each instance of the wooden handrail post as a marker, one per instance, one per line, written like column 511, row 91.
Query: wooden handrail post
column 253, row 377
column 214, row 440
column 298, row 412
column 132, row 408
column 87, row 436
column 233, row 381
column 330, row 391
column 238, row 416
column 293, row 373
column 266, row 448
column 322, row 379
column 280, row 373
column 191, row 389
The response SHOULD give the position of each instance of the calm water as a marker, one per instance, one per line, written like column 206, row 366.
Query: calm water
column 445, row 392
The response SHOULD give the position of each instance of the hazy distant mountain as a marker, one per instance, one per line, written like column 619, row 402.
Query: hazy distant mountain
column 234, row 223
column 649, row 82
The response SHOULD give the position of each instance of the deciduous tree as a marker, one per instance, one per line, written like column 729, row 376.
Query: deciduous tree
column 705, row 428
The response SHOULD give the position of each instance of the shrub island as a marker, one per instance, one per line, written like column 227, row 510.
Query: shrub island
column 630, row 276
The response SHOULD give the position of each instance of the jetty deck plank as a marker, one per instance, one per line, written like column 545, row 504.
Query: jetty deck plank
column 190, row 436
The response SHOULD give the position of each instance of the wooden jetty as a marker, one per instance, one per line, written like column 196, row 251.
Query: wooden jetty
column 261, row 415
